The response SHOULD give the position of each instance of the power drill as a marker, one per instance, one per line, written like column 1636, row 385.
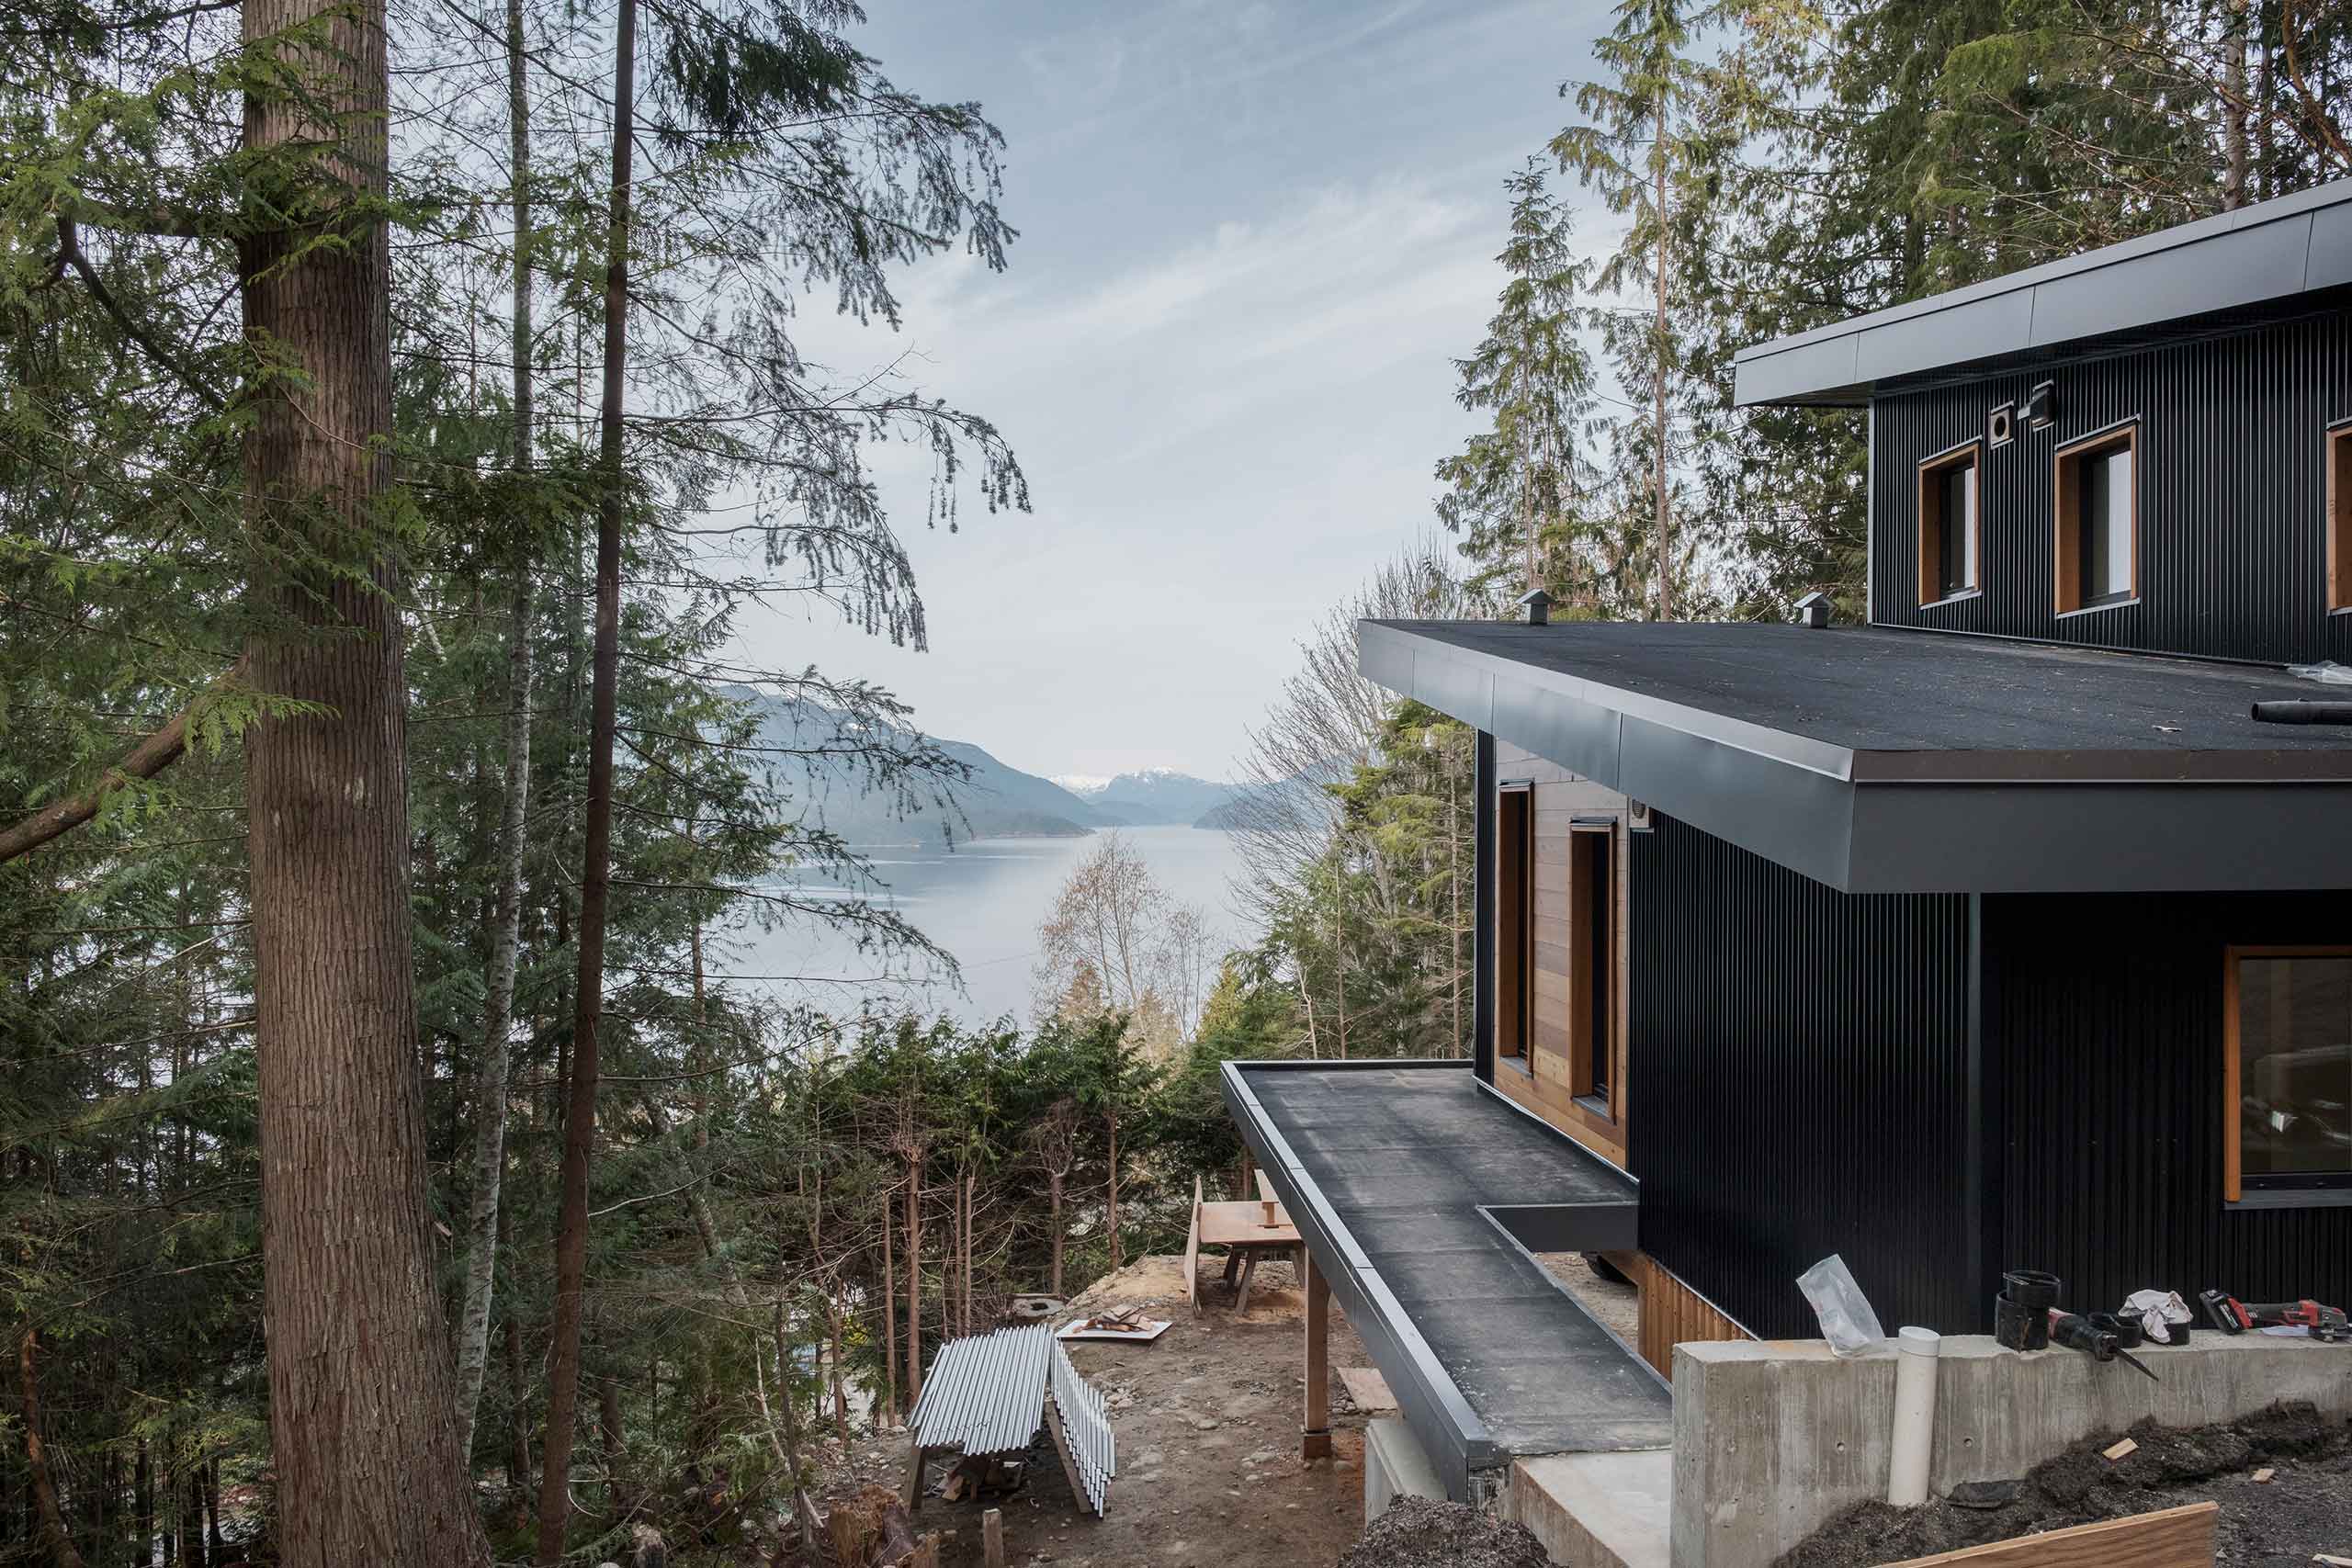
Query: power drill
column 2231, row 1315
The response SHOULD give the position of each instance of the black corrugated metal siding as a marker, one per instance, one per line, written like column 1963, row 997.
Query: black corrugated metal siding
column 1799, row 1065
column 2232, row 453
column 2103, row 1023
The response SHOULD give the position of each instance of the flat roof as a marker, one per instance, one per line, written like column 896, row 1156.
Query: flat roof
column 2258, row 258
column 1391, row 1171
column 1887, row 761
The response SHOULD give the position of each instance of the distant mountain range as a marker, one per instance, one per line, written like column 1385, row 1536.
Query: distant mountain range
column 1155, row 797
column 997, row 802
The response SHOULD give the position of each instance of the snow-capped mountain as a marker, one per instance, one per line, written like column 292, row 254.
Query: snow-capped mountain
column 1150, row 797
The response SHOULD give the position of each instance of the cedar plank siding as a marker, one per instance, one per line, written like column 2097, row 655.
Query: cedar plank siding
column 1541, row 1085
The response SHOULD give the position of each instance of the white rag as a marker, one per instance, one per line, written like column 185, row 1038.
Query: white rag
column 2158, row 1310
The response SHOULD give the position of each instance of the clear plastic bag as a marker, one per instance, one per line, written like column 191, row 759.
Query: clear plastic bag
column 1847, row 1320
column 2327, row 670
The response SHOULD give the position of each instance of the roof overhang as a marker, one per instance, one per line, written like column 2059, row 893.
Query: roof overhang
column 1910, row 821
column 1455, row 1439
column 2262, row 258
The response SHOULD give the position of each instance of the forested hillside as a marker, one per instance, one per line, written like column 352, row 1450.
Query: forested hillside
column 402, row 402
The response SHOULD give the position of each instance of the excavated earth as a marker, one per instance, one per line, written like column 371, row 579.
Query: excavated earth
column 2304, row 1510
column 1207, row 1419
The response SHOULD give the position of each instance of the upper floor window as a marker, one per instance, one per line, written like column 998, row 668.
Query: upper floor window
column 2099, row 520
column 2287, row 1034
column 1949, row 531
column 2339, row 516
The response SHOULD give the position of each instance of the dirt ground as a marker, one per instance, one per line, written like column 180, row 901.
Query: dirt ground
column 2303, row 1509
column 1616, row 1303
column 1206, row 1418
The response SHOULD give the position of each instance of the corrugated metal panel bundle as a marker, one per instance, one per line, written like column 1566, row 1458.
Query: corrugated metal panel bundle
column 1086, row 1423
column 986, row 1394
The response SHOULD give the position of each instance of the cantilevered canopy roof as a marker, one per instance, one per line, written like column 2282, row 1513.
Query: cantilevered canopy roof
column 1880, row 761
column 2275, row 258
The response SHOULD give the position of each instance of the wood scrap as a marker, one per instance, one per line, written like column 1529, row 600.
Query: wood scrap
column 2118, row 1451
column 2262, row 1477
column 992, row 1538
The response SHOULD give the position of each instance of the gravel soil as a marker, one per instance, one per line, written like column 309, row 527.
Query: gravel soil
column 1417, row 1533
column 2303, row 1509
column 1616, row 1303
column 1207, row 1419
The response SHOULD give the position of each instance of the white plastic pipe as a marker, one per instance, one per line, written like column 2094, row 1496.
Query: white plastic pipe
column 1915, row 1415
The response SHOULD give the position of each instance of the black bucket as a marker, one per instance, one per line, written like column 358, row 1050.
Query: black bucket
column 2021, row 1312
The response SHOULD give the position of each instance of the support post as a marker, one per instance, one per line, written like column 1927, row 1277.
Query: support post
column 1315, row 1428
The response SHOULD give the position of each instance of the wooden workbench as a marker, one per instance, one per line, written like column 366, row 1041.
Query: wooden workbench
column 1241, row 1228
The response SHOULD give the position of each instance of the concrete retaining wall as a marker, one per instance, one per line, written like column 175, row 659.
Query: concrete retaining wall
column 1773, row 1438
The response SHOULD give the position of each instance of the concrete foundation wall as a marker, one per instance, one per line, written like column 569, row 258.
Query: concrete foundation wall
column 1395, row 1465
column 1773, row 1438
column 1603, row 1510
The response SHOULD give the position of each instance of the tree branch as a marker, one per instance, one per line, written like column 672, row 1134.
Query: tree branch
column 147, row 759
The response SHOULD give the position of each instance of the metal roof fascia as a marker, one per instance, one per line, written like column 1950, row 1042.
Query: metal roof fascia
column 2100, row 838
column 1786, row 797
column 2291, row 244
column 1457, row 1440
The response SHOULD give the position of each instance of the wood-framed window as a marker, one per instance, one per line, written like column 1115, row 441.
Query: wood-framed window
column 2097, row 511
column 1950, row 529
column 2287, row 1069
column 2339, row 516
column 1514, row 923
column 1592, row 965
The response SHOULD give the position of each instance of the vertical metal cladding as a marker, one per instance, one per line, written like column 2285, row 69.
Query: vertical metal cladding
column 1799, row 1066
column 2232, row 485
column 2103, row 1023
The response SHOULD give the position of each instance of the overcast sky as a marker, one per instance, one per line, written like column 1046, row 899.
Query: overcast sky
column 1252, row 236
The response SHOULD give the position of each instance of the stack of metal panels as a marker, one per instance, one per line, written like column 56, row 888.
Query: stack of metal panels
column 986, row 1395
column 1086, row 1424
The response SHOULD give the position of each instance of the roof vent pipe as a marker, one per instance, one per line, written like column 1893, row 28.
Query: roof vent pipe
column 1813, row 609
column 2302, row 712
column 1538, row 605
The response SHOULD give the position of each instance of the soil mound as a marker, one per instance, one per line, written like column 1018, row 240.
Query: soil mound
column 2305, row 1507
column 1416, row 1533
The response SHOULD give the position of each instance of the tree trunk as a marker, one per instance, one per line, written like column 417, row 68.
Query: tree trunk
column 142, row 1502
column 1665, row 519
column 595, row 880
column 804, row 1511
column 914, row 1281
column 2233, row 107
column 52, row 1522
column 888, row 1296
column 490, row 1095
column 216, row 1548
column 518, row 1421
column 1054, row 1221
column 616, row 1445
column 361, row 1397
column 1113, row 1191
column 841, row 1392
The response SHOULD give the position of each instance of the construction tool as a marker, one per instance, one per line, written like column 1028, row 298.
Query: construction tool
column 2231, row 1315
column 2076, row 1332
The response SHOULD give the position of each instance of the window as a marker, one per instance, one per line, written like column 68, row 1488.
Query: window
column 2287, row 1029
column 1949, row 528
column 1592, row 958
column 2339, row 517
column 2098, row 521
column 1514, row 922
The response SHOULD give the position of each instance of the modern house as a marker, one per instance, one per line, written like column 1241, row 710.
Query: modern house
column 1996, row 932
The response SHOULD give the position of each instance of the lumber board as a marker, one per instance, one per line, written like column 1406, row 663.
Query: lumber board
column 1193, row 1251
column 2169, row 1538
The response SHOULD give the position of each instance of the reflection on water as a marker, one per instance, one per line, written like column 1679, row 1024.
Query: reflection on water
column 983, row 902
